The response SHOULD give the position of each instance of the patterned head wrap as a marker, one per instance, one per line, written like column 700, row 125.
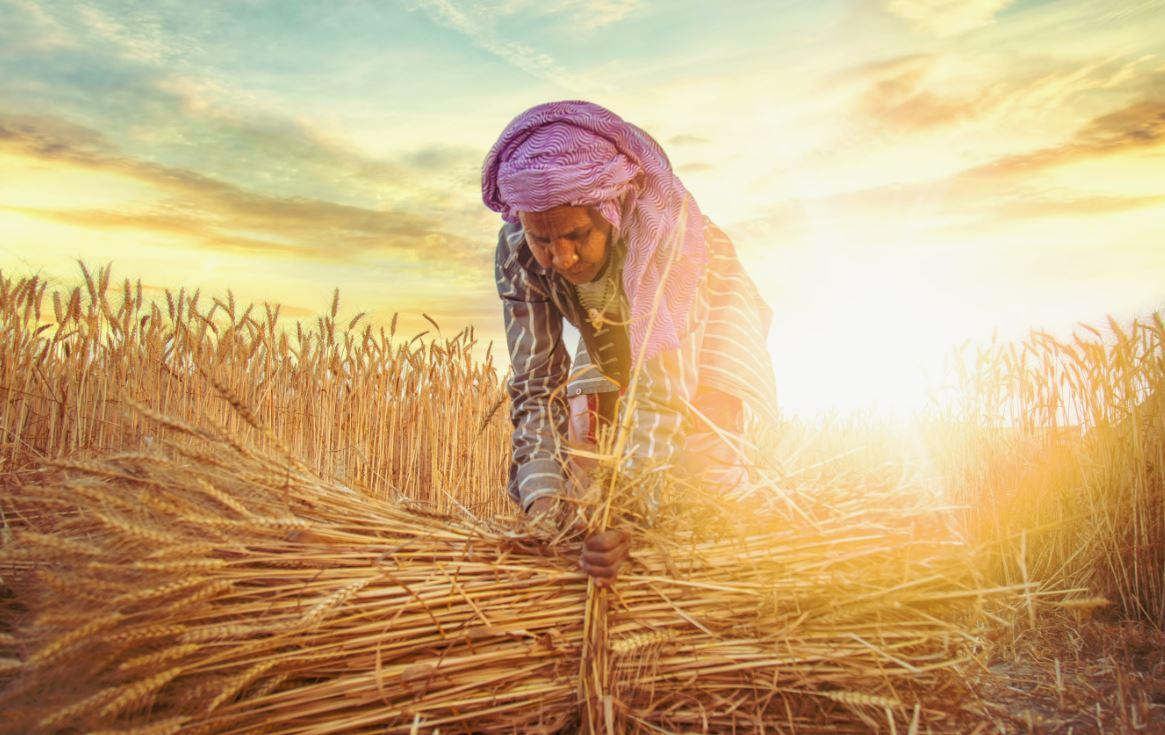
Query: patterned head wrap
column 580, row 154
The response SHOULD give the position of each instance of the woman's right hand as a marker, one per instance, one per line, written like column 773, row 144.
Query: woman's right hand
column 603, row 553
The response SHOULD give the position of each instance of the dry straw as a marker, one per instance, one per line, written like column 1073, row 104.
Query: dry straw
column 241, row 594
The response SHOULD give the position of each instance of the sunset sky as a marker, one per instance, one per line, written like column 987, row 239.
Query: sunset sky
column 898, row 175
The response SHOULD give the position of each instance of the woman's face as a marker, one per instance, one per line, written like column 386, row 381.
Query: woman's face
column 574, row 241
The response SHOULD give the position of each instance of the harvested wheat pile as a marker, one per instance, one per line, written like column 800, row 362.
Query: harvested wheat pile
column 209, row 588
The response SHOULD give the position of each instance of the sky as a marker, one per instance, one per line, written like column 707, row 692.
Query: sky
column 899, row 176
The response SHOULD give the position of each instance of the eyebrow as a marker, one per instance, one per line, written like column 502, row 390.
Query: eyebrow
column 572, row 235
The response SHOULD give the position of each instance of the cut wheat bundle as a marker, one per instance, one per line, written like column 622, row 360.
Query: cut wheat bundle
column 215, row 588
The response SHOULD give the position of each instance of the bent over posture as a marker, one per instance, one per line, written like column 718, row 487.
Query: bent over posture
column 599, row 231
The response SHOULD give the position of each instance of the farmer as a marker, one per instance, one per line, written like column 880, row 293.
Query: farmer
column 599, row 231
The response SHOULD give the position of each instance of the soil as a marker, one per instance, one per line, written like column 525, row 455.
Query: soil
column 1077, row 677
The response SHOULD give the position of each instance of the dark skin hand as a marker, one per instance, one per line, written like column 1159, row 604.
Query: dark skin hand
column 603, row 553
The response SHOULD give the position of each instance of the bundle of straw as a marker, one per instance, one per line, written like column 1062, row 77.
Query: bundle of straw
column 211, row 588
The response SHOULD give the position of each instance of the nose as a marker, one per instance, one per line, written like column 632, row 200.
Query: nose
column 563, row 254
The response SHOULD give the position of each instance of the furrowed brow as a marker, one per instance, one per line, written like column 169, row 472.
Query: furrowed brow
column 574, row 234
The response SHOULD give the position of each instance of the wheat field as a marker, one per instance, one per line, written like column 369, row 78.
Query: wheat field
column 393, row 415
column 217, row 521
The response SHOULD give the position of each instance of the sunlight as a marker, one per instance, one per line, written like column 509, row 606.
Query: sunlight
column 862, row 324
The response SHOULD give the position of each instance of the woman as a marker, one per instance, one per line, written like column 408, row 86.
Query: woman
column 600, row 231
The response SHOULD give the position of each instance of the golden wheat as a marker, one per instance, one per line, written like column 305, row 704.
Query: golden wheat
column 378, row 413
column 365, row 616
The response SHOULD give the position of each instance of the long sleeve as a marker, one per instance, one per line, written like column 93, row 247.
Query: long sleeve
column 661, row 417
column 723, row 353
column 540, row 369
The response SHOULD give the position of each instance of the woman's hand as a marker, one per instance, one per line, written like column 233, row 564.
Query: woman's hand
column 604, row 553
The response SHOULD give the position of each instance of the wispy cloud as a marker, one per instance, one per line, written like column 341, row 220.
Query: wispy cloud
column 899, row 97
column 1140, row 125
column 189, row 227
column 917, row 92
column 138, row 35
column 220, row 215
column 1007, row 189
column 585, row 15
column 149, row 80
column 188, row 122
column 31, row 27
column 947, row 17
column 602, row 13
column 687, row 139
column 1074, row 206
column 479, row 22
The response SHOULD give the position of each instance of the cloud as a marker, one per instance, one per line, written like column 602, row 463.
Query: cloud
column 223, row 216
column 880, row 68
column 919, row 92
column 1140, row 125
column 440, row 158
column 141, row 32
column 946, row 17
column 51, row 138
column 192, row 119
column 188, row 122
column 28, row 26
column 897, row 97
column 1009, row 187
column 141, row 39
column 959, row 141
column 587, row 15
column 179, row 106
column 478, row 23
column 186, row 226
column 488, row 24
column 688, row 139
column 602, row 13
column 1074, row 206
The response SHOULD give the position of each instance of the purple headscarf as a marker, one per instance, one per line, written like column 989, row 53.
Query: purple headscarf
column 580, row 154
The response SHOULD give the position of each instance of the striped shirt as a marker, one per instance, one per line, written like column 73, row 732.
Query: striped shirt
column 724, row 350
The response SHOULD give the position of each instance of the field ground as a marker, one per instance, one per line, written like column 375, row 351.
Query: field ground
column 1079, row 677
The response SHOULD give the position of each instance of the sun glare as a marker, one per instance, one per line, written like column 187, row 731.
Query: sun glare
column 873, row 314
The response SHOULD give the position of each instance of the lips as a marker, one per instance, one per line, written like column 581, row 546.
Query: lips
column 576, row 273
